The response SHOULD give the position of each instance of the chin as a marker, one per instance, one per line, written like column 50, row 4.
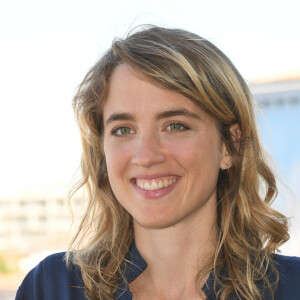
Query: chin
column 155, row 222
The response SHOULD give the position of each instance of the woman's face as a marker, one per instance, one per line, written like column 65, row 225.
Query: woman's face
column 163, row 153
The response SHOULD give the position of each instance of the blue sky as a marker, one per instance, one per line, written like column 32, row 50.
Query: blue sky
column 281, row 134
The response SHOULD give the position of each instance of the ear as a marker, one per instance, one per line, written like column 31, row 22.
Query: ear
column 227, row 160
column 235, row 132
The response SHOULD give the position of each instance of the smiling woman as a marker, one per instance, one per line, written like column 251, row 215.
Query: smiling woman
column 166, row 140
column 174, row 172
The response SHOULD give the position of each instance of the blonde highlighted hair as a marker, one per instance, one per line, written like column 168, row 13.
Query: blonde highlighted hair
column 249, row 230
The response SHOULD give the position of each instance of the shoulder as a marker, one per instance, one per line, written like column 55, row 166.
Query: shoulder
column 283, row 259
column 289, row 277
column 287, row 265
column 52, row 279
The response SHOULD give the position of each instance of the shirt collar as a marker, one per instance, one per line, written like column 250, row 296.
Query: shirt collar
column 132, row 267
column 137, row 264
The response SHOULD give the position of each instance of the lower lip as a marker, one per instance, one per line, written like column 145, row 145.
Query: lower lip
column 155, row 194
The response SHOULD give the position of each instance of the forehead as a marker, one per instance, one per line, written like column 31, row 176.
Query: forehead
column 130, row 91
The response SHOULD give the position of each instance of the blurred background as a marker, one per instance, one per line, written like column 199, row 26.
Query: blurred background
column 46, row 47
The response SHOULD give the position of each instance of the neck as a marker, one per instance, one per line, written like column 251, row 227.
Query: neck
column 176, row 254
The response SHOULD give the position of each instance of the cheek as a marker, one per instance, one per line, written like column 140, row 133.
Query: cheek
column 197, row 155
column 117, row 158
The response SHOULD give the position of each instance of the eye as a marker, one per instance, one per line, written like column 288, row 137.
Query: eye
column 176, row 127
column 121, row 131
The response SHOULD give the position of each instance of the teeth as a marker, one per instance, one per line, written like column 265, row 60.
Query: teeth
column 166, row 182
column 154, row 184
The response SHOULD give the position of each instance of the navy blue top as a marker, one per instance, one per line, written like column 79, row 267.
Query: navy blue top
column 51, row 280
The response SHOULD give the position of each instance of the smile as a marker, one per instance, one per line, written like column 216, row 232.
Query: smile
column 155, row 184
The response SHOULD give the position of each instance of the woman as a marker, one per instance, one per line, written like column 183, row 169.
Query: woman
column 179, row 190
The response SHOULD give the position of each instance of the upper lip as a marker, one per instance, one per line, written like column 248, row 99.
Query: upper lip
column 152, row 176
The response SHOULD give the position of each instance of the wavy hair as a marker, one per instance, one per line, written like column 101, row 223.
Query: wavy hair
column 249, row 230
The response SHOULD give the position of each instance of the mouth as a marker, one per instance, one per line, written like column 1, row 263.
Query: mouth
column 155, row 183
column 155, row 186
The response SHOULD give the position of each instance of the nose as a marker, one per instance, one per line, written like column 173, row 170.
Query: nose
column 149, row 151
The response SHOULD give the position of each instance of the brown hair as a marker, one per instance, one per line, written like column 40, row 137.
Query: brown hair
column 249, row 230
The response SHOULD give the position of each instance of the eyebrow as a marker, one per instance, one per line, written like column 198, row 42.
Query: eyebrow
column 178, row 112
column 163, row 115
column 119, row 117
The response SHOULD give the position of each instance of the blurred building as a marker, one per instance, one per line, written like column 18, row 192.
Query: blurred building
column 277, row 93
column 28, row 225
column 279, row 101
